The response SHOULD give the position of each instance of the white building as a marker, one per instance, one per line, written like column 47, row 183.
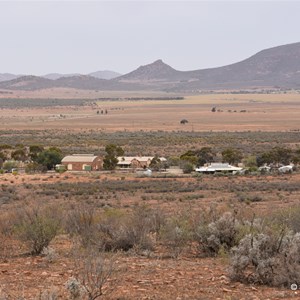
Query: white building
column 219, row 167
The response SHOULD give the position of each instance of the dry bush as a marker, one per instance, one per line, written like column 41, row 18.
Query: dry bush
column 8, row 245
column 289, row 217
column 114, row 230
column 217, row 235
column 50, row 294
column 95, row 274
column 126, row 231
column 267, row 258
column 81, row 222
column 176, row 233
column 37, row 226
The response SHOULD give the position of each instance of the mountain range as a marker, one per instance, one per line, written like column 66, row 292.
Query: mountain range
column 106, row 74
column 277, row 67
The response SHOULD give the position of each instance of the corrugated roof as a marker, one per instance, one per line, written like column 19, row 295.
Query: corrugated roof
column 128, row 159
column 215, row 167
column 79, row 158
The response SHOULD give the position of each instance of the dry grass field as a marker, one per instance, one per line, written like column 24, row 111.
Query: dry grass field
column 235, row 112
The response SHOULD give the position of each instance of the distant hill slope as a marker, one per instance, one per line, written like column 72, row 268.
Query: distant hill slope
column 106, row 74
column 54, row 76
column 274, row 67
column 99, row 74
column 8, row 76
column 27, row 83
column 85, row 82
column 156, row 71
column 278, row 66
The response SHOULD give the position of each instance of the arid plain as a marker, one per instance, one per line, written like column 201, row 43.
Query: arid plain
column 167, row 271
column 235, row 112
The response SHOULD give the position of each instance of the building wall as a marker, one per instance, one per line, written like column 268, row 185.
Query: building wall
column 140, row 164
column 97, row 164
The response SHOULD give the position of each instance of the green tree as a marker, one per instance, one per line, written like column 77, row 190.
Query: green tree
column 110, row 160
column 232, row 156
column 49, row 158
column 250, row 161
column 199, row 157
column 34, row 167
column 19, row 154
column 282, row 155
column 190, row 156
column 3, row 156
column 276, row 155
column 296, row 157
column 34, row 150
column 5, row 147
column 9, row 165
column 156, row 164
column 187, row 168
column 205, row 155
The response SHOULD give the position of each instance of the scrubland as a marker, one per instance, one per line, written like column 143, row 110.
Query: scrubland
column 111, row 235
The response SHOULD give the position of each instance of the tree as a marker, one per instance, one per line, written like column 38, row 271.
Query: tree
column 19, row 154
column 214, row 109
column 9, row 165
column 49, row 158
column 205, row 155
column 110, row 160
column 250, row 162
column 156, row 164
column 34, row 150
column 184, row 121
column 296, row 157
column 190, row 156
column 232, row 156
column 3, row 156
column 34, row 167
column 187, row 168
column 199, row 157
column 282, row 155
column 277, row 155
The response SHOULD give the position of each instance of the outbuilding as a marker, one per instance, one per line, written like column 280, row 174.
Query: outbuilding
column 82, row 162
column 135, row 162
column 219, row 168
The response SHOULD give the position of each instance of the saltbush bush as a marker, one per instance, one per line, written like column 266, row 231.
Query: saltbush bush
column 267, row 259
column 216, row 235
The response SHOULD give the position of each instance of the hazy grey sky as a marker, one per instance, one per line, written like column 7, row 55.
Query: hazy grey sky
column 82, row 36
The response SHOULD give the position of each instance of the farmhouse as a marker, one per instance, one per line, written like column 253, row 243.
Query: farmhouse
column 82, row 162
column 135, row 162
column 219, row 167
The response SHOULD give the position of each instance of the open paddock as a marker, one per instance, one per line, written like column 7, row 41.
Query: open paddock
column 238, row 112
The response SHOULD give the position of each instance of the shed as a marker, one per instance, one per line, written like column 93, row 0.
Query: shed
column 82, row 162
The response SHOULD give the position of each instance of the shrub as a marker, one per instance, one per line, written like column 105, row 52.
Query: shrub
column 187, row 168
column 81, row 222
column 75, row 289
column 37, row 227
column 219, row 234
column 114, row 230
column 176, row 233
column 94, row 272
column 34, row 167
column 267, row 258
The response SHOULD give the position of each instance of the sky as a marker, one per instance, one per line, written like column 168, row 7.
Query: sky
column 40, row 37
